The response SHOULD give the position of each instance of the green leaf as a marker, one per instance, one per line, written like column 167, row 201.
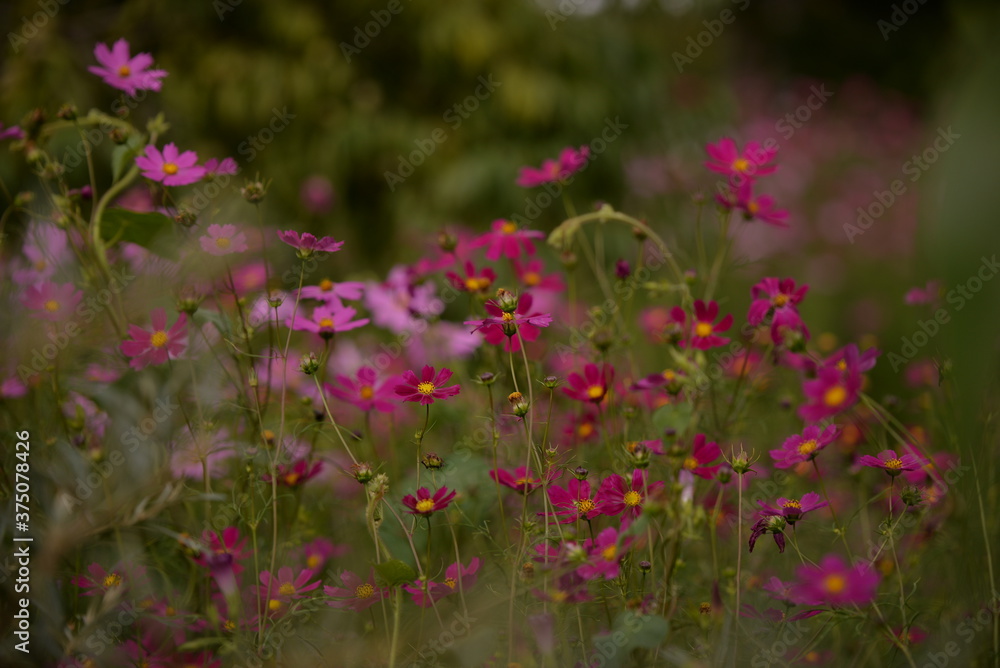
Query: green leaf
column 200, row 643
column 138, row 228
column 395, row 572
column 124, row 155
column 673, row 416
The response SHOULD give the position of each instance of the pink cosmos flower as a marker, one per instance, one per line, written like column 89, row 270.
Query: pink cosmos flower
column 793, row 509
column 214, row 167
column 100, row 581
column 615, row 496
column 327, row 319
column 771, row 295
column 356, row 594
column 521, row 479
column 293, row 476
column 223, row 240
column 364, row 391
column 574, row 502
column 703, row 453
column 834, row 583
column 668, row 378
column 704, row 329
column 725, row 158
column 501, row 327
column 46, row 248
column 927, row 295
column 424, row 504
column 171, row 167
column 805, row 446
column 753, row 207
column 592, row 386
column 892, row 463
column 123, row 72
column 400, row 304
column 330, row 292
column 773, row 524
column 532, row 275
column 605, row 556
column 13, row 132
column 835, row 388
column 457, row 578
column 475, row 282
column 285, row 587
column 52, row 301
column 427, row 387
column 158, row 345
column 319, row 551
column 570, row 161
column 307, row 244
column 504, row 238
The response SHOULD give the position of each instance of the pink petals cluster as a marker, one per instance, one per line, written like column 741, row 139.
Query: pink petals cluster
column 743, row 169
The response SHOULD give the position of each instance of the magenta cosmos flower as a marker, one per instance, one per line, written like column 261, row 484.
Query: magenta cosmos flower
column 99, row 581
column 574, row 502
column 521, row 479
column 605, row 556
column 892, row 463
column 501, row 327
column 327, row 320
column 773, row 524
column 804, row 447
column 592, row 385
column 307, row 244
column 171, row 167
column 834, row 583
column 506, row 239
column 424, row 504
column 703, row 453
column 457, row 578
column 330, row 292
column 793, row 509
column 293, row 476
column 771, row 295
column 286, row 587
column 214, row 167
column 704, row 330
column 13, row 132
column 616, row 496
column 364, row 391
column 158, row 345
column 356, row 594
column 752, row 162
column 570, row 161
column 753, row 206
column 123, row 72
column 223, row 240
column 532, row 275
column 835, row 388
column 52, row 301
column 474, row 281
column 427, row 387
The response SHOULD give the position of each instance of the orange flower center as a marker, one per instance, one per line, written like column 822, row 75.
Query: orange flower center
column 691, row 463
column 585, row 506
column 894, row 464
column 425, row 388
column 753, row 207
column 791, row 503
column 509, row 227
column 450, row 582
column 364, row 591
column 222, row 242
column 52, row 306
column 477, row 283
column 807, row 448
column 632, row 498
column 703, row 329
column 669, row 375
column 610, row 553
column 585, row 430
column 780, row 300
column 291, row 479
column 835, row 396
column 425, row 505
column 286, row 589
column 124, row 71
column 741, row 165
column 366, row 392
column 595, row 391
column 326, row 323
column 559, row 596
column 158, row 339
column 834, row 583
column 314, row 561
column 170, row 168
column 532, row 278
column 326, row 285
column 111, row 580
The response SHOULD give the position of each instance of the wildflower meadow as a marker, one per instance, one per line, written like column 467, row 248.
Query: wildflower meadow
column 570, row 424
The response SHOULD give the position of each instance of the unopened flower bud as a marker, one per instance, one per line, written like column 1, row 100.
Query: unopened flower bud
column 118, row 135
column 67, row 112
column 581, row 473
column 551, row 382
column 724, row 474
column 185, row 218
column 645, row 566
column 447, row 241
column 309, row 364
column 623, row 269
column 639, row 456
column 506, row 300
column 362, row 472
column 518, row 403
column 690, row 276
column 912, row 497
column 432, row 461
column 705, row 608
column 254, row 191
column 602, row 339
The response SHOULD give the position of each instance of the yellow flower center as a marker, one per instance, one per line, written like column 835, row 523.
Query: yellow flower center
column 753, row 207
column 509, row 227
column 585, row 430
column 425, row 388
column 521, row 481
column 425, row 505
column 691, row 463
column 158, row 339
column 291, row 478
column 229, row 625
column 313, row 561
column 632, row 498
column 835, row 396
column 326, row 323
column 52, row 306
column 703, row 329
column 274, row 605
column 286, row 589
column 170, row 611
column 40, row 265
column 112, row 580
column 595, row 391
column 894, row 464
column 477, row 283
column 631, row 446
column 326, row 285
column 585, row 506
column 450, row 582
column 124, row 71
column 364, row 591
column 791, row 503
column 507, row 317
column 169, row 168
column 532, row 278
column 741, row 165
column 559, row 596
column 669, row 375
column 366, row 392
column 834, row 583
column 807, row 448
column 610, row 553
column 223, row 242
column 268, row 435
column 780, row 300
